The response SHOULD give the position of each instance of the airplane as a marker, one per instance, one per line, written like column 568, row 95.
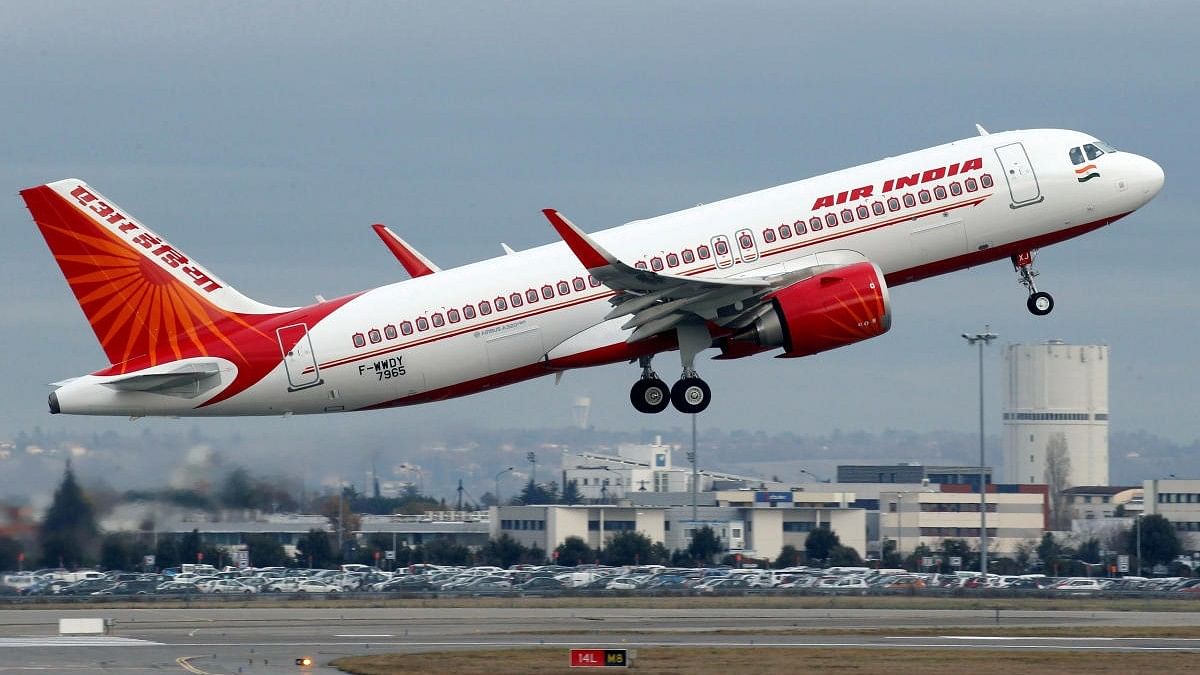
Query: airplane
column 800, row 268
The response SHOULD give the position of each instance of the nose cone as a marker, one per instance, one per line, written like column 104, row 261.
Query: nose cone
column 1149, row 177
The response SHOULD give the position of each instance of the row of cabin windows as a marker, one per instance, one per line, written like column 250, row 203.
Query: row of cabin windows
column 469, row 312
column 878, row 208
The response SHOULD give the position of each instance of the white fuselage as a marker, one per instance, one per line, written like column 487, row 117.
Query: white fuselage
column 366, row 356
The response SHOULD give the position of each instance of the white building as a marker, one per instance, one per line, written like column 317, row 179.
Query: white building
column 929, row 516
column 652, row 467
column 1055, row 388
column 1177, row 500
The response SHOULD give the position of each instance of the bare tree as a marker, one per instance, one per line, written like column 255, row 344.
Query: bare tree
column 1058, row 479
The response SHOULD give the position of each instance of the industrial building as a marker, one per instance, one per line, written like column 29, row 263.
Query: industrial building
column 1016, row 514
column 1055, row 407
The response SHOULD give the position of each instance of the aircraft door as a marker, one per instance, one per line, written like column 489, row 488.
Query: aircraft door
column 298, row 357
column 1018, row 171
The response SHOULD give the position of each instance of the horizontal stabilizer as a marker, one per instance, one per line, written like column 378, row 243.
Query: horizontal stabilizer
column 186, row 381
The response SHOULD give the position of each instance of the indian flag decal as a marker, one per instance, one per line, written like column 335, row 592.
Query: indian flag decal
column 1085, row 173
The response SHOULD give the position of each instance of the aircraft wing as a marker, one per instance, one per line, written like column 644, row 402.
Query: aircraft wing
column 659, row 302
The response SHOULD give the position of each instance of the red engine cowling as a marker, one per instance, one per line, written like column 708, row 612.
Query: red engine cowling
column 828, row 310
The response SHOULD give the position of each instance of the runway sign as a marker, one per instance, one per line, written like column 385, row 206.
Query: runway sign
column 599, row 658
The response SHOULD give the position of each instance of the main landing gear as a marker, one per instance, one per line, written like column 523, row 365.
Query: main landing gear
column 1039, row 303
column 690, row 394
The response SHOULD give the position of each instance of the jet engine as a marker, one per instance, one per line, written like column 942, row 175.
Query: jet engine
column 830, row 309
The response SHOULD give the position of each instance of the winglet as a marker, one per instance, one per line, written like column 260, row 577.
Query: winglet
column 412, row 260
column 589, row 252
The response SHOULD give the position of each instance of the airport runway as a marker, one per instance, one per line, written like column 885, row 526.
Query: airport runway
column 268, row 640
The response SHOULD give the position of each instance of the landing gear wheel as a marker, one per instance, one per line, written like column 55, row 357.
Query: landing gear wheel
column 1040, row 303
column 650, row 395
column 691, row 395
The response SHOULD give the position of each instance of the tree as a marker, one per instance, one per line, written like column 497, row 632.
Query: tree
column 961, row 549
column 570, row 493
column 120, row 551
column 443, row 551
column 844, row 555
column 659, row 555
column 541, row 493
column 315, row 549
column 820, row 542
column 504, row 551
column 916, row 559
column 1025, row 552
column 264, row 550
column 1089, row 551
column 789, row 556
column 705, row 544
column 10, row 550
column 627, row 547
column 68, row 533
column 890, row 557
column 1160, row 542
column 237, row 491
column 573, row 551
column 1058, row 479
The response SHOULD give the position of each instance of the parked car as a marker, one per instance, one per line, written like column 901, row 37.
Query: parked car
column 540, row 584
column 312, row 586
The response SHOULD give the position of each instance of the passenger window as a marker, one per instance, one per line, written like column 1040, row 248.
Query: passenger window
column 955, row 188
column 672, row 260
column 923, row 195
column 785, row 231
column 438, row 320
column 514, row 300
column 593, row 281
column 1092, row 151
column 406, row 328
column 485, row 308
column 374, row 336
column 877, row 208
column 986, row 180
column 469, row 312
column 1076, row 155
column 893, row 204
column 831, row 219
column 814, row 224
column 422, row 323
column 688, row 256
column 800, row 227
column 531, row 296
column 746, row 242
column 702, row 252
column 768, row 235
column 547, row 291
column 721, row 247
column 360, row 340
column 909, row 200
column 862, row 212
column 641, row 265
column 971, row 184
column 847, row 216
column 577, row 283
column 656, row 264
column 501, row 304
column 939, row 192
column 563, row 288
column 453, row 316
column 389, row 332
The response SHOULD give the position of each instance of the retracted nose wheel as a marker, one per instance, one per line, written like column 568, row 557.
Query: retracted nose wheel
column 650, row 395
column 1040, row 303
column 691, row 395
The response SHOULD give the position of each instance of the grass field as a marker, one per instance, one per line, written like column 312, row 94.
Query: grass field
column 698, row 661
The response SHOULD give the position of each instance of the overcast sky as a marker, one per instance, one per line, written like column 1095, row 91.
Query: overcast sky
column 264, row 138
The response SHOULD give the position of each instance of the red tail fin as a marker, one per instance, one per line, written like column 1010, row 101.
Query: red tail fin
column 142, row 296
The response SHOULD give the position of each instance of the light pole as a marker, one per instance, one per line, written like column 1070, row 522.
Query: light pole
column 532, row 459
column 899, row 525
column 497, row 490
column 814, row 476
column 1139, row 542
column 692, row 457
column 981, row 339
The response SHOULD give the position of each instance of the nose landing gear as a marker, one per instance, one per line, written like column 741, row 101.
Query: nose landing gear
column 1039, row 303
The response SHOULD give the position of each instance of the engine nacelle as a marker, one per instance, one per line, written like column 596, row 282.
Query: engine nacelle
column 828, row 310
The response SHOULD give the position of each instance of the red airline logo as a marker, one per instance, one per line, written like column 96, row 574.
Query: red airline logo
column 899, row 183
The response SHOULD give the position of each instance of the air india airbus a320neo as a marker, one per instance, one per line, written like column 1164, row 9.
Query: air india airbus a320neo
column 800, row 268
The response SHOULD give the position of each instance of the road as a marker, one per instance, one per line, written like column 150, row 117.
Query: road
column 268, row 640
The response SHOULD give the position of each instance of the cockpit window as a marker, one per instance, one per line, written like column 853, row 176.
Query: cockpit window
column 1092, row 151
column 1105, row 146
column 1077, row 155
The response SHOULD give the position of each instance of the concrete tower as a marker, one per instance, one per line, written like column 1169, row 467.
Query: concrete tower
column 1056, row 396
